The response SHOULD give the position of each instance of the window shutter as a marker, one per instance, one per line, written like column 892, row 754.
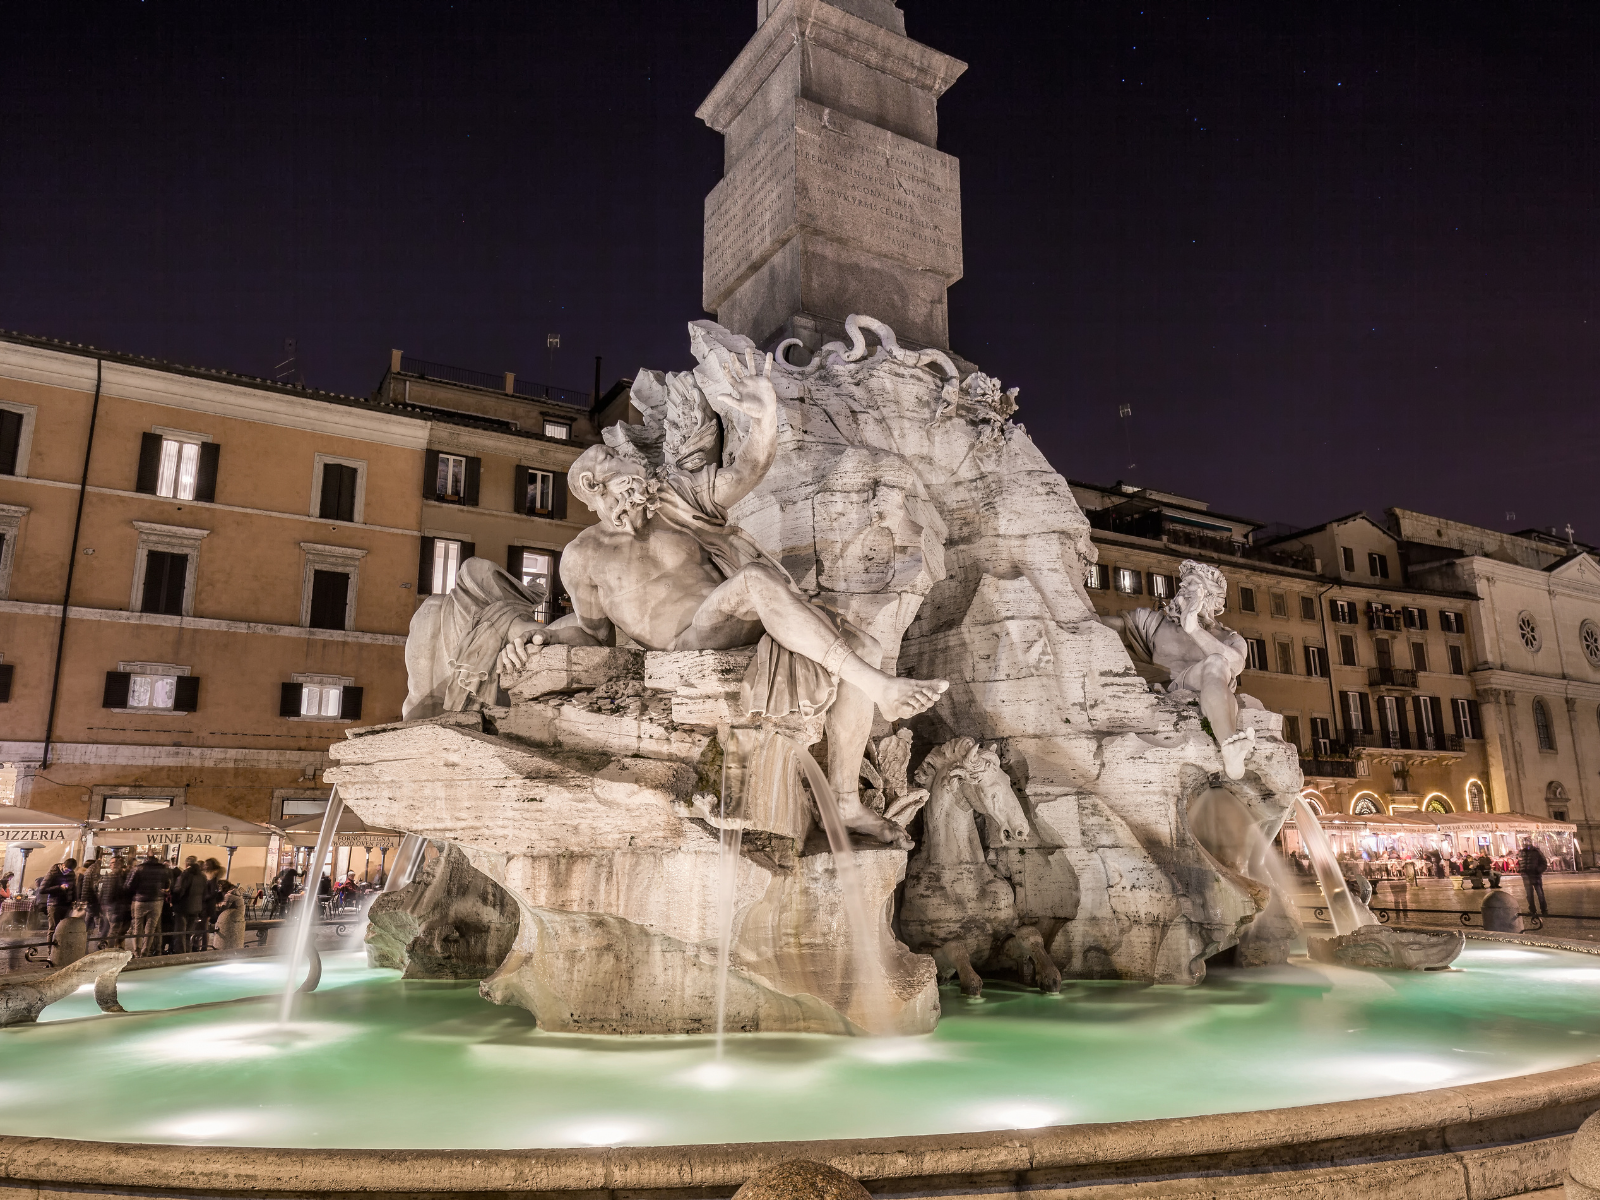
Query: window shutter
column 1472, row 713
column 330, row 594
column 164, row 579
column 149, row 463
column 1436, row 708
column 468, row 550
column 186, row 694
column 205, row 481
column 430, row 475
column 1419, row 719
column 514, row 560
column 425, row 568
column 116, row 693
column 1422, row 618
column 558, row 498
column 7, row 670
column 289, row 700
column 10, row 440
column 1400, row 718
column 1457, row 709
column 338, row 501
column 519, row 495
column 474, row 470
column 1366, row 710
column 350, row 704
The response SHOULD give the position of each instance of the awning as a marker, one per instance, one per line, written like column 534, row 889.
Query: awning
column 352, row 831
column 1434, row 822
column 182, row 825
column 27, row 825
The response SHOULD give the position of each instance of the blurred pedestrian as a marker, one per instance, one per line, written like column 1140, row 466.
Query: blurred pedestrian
column 1531, row 865
column 147, row 889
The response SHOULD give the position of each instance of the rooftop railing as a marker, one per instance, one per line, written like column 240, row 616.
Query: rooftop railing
column 525, row 389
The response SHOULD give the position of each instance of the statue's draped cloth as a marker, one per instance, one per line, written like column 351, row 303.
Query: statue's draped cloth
column 778, row 681
column 456, row 640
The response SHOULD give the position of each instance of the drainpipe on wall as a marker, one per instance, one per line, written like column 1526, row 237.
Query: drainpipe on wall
column 72, row 566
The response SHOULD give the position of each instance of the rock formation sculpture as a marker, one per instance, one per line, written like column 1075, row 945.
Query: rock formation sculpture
column 448, row 923
column 22, row 1002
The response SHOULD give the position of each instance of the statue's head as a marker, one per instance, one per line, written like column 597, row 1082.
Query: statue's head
column 619, row 490
column 1202, row 589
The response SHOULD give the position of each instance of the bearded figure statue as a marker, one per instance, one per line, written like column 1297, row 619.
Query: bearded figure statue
column 1202, row 656
column 665, row 568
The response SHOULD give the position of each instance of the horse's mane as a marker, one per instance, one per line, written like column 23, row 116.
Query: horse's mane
column 941, row 758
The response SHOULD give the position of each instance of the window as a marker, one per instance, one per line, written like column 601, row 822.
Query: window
column 1097, row 577
column 1256, row 658
column 1348, row 557
column 178, row 465
column 1343, row 612
column 1528, row 631
column 1321, row 736
column 132, row 806
column 1285, row 657
column 165, row 576
column 1542, row 728
column 10, row 526
column 1415, row 618
column 1247, row 599
column 1452, row 622
column 560, row 430
column 16, row 436
column 1419, row 656
column 320, row 698
column 1383, row 652
column 1475, row 796
column 338, row 488
column 328, row 588
column 1291, row 730
column 7, row 670
column 1391, row 721
column 1382, row 616
column 1466, row 715
column 1429, row 717
column 441, row 558
column 1316, row 662
column 1589, row 637
column 1366, row 805
column 1308, row 608
column 1347, row 650
column 1280, row 604
column 1357, row 712
column 151, row 687
column 1457, row 664
column 1129, row 581
column 1378, row 565
column 1163, row 587
column 540, row 573
column 540, row 493
column 451, row 478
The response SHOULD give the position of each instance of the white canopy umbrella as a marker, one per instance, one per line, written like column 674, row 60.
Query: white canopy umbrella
column 19, row 825
column 182, row 824
column 350, row 831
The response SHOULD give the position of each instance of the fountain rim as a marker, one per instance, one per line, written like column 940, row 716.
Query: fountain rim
column 1439, row 1124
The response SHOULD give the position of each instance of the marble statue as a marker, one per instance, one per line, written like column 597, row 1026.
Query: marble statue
column 456, row 639
column 22, row 1002
column 1203, row 656
column 957, row 907
column 666, row 568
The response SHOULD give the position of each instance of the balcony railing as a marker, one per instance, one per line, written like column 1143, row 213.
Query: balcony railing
column 527, row 389
column 1400, row 677
column 1395, row 739
column 1328, row 768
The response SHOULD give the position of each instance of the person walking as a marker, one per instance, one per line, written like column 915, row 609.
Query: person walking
column 147, row 890
column 1531, row 865
column 188, row 903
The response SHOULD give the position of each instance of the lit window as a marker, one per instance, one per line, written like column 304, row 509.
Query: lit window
column 541, row 493
column 1475, row 796
column 452, row 482
column 1161, row 586
column 1129, row 581
column 1317, row 662
column 179, row 470
column 1451, row 622
column 152, row 691
column 321, row 701
column 1097, row 577
column 560, row 430
column 446, row 561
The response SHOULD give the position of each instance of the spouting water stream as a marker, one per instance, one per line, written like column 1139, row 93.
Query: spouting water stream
column 1347, row 913
column 728, row 847
column 870, row 979
column 306, row 918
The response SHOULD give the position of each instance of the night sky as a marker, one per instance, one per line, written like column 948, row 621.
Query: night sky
column 1333, row 255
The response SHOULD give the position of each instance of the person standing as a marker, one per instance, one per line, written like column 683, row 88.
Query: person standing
column 147, row 888
column 282, row 889
column 1531, row 865
column 188, row 903
column 111, row 902
column 56, row 891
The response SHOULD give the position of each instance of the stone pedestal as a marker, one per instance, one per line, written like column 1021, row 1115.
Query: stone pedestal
column 834, row 199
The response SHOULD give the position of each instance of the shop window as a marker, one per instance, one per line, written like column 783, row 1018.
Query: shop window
column 1366, row 805
column 1097, row 577
column 178, row 465
column 441, row 558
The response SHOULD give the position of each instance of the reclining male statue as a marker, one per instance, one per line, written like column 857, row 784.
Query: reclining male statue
column 664, row 567
column 1204, row 657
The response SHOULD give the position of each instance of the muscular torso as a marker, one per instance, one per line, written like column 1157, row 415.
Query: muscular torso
column 649, row 585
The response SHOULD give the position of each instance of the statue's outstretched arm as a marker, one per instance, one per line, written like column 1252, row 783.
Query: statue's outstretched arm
column 753, row 395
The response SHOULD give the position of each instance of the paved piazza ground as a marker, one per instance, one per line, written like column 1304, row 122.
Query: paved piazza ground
column 1574, row 903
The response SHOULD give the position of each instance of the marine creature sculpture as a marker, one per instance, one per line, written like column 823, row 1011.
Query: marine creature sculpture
column 957, row 907
column 1203, row 657
column 23, row 1001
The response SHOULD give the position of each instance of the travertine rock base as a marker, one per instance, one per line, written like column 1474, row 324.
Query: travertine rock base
column 449, row 923
column 1379, row 947
column 802, row 1180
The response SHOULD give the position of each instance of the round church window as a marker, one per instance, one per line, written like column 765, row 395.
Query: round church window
column 1528, row 631
column 1589, row 634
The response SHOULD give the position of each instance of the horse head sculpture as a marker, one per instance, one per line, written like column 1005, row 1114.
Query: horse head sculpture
column 963, row 778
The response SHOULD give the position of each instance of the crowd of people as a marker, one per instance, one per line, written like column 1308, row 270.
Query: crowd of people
column 1475, row 871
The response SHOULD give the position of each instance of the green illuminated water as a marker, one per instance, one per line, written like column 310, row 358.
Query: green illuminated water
column 377, row 1062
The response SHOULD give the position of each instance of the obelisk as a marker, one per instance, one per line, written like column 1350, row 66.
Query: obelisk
column 834, row 198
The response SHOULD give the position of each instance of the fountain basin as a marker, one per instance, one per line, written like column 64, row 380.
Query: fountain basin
column 1126, row 1083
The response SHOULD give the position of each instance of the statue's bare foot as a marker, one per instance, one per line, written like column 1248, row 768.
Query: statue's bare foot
column 858, row 818
column 898, row 698
column 1235, row 750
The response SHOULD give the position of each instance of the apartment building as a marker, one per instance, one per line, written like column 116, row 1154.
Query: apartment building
column 205, row 579
column 1534, row 634
column 1368, row 671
